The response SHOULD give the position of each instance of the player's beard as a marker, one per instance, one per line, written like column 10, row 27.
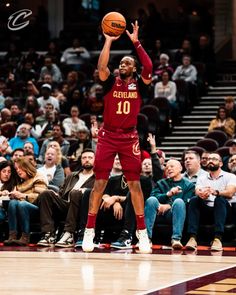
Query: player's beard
column 87, row 167
column 123, row 76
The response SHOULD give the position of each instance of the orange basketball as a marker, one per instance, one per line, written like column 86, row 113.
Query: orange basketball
column 113, row 24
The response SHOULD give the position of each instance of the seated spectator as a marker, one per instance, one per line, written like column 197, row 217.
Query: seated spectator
column 64, row 160
column 16, row 154
column 90, row 89
column 13, row 56
column 186, row 49
column 33, row 57
column 204, row 160
column 47, row 120
column 5, row 115
column 214, row 193
column 47, row 98
column 232, row 164
column 22, row 203
column 57, row 135
column 47, row 79
column 168, row 202
column 28, row 147
column 147, row 183
column 167, row 88
column 22, row 136
column 163, row 66
column 204, row 53
column 111, row 213
column 186, row 71
column 230, row 106
column 52, row 168
column 52, row 69
column 7, row 184
column 31, row 89
column 66, row 204
column 31, row 106
column 35, row 129
column 95, row 104
column 113, row 203
column 156, row 52
column 54, row 51
column 223, row 122
column 84, row 141
column 75, row 56
column 16, row 113
column 27, row 72
column 73, row 124
column 192, row 166
column 232, row 152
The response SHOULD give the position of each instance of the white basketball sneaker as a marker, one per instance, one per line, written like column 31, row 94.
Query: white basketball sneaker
column 144, row 242
column 87, row 244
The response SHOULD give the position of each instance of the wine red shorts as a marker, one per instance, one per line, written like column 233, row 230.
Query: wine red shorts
column 126, row 145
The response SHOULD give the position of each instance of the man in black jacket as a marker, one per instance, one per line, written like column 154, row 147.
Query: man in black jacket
column 65, row 205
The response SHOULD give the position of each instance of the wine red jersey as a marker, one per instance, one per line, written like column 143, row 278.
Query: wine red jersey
column 122, row 102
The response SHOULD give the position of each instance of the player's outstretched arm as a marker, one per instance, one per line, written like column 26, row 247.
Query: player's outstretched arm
column 103, row 59
column 142, row 54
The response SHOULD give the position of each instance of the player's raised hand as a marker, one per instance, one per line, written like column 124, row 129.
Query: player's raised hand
column 133, row 36
column 111, row 38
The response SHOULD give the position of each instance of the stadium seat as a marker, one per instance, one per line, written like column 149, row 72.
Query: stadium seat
column 219, row 135
column 86, row 117
column 209, row 144
column 63, row 117
column 152, row 112
column 182, row 95
column 142, row 127
column 197, row 149
column 163, row 105
column 229, row 141
column 223, row 151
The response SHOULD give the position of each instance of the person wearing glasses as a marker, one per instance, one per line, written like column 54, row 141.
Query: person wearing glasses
column 214, row 193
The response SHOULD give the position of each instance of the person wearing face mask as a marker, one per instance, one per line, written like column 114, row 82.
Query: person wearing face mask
column 214, row 193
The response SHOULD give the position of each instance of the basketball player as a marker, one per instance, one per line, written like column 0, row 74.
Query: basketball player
column 122, row 101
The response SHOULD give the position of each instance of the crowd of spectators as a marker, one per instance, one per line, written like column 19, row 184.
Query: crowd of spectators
column 51, row 108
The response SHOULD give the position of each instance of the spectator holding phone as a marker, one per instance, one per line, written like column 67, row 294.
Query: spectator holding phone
column 22, row 198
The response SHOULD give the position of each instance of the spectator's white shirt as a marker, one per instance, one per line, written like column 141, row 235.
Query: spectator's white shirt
column 42, row 102
column 224, row 179
column 70, row 57
column 48, row 171
column 70, row 126
column 168, row 90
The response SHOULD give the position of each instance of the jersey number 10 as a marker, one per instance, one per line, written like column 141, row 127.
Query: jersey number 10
column 123, row 107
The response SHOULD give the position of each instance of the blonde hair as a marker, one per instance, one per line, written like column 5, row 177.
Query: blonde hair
column 55, row 145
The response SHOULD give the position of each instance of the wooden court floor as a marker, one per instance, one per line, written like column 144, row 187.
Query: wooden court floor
column 44, row 271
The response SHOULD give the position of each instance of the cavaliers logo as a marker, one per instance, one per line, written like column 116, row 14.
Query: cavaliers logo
column 136, row 148
column 18, row 21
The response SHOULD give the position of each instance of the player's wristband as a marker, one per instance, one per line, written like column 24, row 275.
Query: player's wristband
column 145, row 61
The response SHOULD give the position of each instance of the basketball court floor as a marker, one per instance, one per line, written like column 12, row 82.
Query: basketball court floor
column 43, row 271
